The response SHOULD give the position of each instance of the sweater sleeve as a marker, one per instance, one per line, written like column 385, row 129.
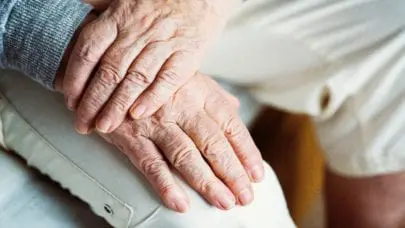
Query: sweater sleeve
column 35, row 33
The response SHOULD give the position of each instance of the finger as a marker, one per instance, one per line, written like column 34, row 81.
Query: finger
column 97, row 93
column 182, row 154
column 144, row 155
column 239, row 138
column 97, row 39
column 139, row 76
column 110, row 73
column 174, row 73
column 106, row 79
column 91, row 44
column 112, row 69
column 214, row 146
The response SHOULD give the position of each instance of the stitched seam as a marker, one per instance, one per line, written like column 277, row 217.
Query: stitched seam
column 42, row 138
column 3, row 104
column 149, row 217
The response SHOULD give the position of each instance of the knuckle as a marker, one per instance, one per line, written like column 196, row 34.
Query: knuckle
column 108, row 75
column 152, row 167
column 145, row 21
column 206, row 186
column 171, row 77
column 211, row 146
column 138, row 77
column 164, row 188
column 233, row 127
column 85, row 53
column 183, row 157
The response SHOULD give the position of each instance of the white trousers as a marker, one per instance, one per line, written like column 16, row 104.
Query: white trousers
column 340, row 61
column 36, row 126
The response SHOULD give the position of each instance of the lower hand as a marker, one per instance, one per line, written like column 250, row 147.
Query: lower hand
column 200, row 123
column 201, row 136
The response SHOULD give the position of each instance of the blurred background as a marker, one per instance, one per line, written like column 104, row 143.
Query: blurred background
column 291, row 148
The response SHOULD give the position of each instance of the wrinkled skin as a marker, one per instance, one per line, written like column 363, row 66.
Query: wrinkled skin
column 141, row 51
column 197, row 133
column 199, row 122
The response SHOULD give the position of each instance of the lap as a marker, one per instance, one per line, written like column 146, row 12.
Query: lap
column 39, row 128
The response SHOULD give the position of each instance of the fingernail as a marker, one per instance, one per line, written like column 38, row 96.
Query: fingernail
column 245, row 197
column 256, row 174
column 181, row 205
column 82, row 129
column 138, row 111
column 103, row 125
column 226, row 202
column 70, row 103
column 177, row 201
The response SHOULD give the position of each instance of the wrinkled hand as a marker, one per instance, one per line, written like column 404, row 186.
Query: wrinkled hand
column 199, row 134
column 138, row 50
column 198, row 125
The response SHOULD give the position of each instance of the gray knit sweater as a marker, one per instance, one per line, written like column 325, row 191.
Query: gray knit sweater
column 35, row 33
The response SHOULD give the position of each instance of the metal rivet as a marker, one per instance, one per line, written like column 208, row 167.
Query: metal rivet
column 108, row 209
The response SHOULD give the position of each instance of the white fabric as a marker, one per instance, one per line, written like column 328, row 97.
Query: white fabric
column 38, row 127
column 28, row 199
column 340, row 61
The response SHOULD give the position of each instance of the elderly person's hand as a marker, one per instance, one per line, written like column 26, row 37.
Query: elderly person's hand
column 138, row 50
column 200, row 135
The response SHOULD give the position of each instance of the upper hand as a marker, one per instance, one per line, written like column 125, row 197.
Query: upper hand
column 144, row 48
column 200, row 134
